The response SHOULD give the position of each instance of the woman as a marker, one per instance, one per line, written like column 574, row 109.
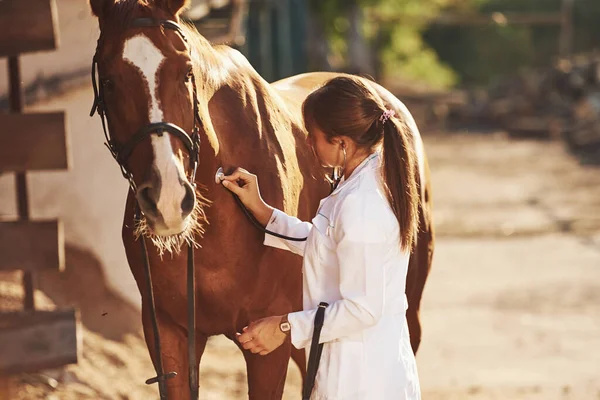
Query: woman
column 357, row 252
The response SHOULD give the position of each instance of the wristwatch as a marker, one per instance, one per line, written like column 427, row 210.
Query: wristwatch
column 285, row 325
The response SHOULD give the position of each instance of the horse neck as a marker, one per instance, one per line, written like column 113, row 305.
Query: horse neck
column 244, row 117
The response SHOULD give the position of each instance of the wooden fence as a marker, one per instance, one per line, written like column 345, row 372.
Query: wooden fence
column 30, row 339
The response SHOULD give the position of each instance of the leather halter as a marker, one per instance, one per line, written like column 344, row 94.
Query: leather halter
column 121, row 153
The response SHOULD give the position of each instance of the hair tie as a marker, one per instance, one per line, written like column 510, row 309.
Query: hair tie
column 387, row 114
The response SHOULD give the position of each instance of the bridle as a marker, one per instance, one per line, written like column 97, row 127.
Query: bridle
column 121, row 153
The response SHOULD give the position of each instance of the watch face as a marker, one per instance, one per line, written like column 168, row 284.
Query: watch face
column 285, row 326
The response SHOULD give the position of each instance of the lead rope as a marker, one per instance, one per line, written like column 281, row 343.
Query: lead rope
column 191, row 292
column 191, row 273
column 160, row 376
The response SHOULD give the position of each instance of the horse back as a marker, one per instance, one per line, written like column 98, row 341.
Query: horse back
column 294, row 91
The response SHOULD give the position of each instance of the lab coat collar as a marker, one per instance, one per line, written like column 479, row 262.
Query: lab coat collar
column 371, row 162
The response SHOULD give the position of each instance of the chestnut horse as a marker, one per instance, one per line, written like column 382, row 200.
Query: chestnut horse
column 149, row 74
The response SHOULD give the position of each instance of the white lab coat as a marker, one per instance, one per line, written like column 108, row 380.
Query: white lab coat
column 353, row 261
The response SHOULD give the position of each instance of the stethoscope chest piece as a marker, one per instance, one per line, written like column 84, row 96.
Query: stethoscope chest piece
column 219, row 175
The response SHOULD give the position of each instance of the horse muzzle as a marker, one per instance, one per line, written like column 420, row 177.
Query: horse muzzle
column 166, row 209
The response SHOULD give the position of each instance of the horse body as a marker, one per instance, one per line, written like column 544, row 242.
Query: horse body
column 246, row 122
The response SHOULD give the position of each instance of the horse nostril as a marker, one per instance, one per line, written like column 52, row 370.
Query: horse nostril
column 146, row 199
column 189, row 200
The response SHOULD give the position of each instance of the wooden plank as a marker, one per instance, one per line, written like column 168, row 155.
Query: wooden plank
column 497, row 18
column 31, row 341
column 27, row 26
column 33, row 142
column 32, row 246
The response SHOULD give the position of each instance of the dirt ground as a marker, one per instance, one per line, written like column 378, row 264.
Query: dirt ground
column 511, row 310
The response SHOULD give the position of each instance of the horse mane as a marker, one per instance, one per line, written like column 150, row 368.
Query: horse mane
column 122, row 12
column 220, row 66
column 205, row 57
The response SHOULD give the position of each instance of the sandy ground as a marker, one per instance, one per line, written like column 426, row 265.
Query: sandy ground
column 511, row 311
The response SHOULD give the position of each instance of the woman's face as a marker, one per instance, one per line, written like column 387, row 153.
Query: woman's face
column 330, row 154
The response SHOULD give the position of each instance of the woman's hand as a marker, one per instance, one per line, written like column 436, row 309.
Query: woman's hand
column 245, row 186
column 263, row 336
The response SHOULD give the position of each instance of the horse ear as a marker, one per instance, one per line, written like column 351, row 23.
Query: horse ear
column 174, row 6
column 100, row 7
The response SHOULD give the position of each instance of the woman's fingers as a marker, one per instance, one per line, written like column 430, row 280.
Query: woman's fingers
column 253, row 347
column 244, row 337
column 251, row 343
column 239, row 173
column 234, row 187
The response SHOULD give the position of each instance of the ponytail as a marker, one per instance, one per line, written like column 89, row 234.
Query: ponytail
column 399, row 171
column 348, row 105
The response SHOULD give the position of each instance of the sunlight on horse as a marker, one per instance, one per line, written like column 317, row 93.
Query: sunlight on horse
column 149, row 74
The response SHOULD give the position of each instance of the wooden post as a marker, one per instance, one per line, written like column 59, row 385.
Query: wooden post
column 16, row 106
column 566, row 28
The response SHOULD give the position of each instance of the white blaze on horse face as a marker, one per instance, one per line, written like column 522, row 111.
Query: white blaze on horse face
column 147, row 58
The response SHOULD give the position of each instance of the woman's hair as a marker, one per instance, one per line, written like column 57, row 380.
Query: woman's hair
column 345, row 106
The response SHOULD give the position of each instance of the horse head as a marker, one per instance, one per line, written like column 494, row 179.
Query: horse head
column 147, row 92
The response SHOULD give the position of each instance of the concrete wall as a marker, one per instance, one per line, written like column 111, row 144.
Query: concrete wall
column 89, row 198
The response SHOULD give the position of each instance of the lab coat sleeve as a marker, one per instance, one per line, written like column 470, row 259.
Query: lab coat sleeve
column 290, row 226
column 364, row 235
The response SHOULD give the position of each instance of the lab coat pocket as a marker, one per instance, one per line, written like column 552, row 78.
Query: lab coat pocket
column 321, row 226
column 343, row 372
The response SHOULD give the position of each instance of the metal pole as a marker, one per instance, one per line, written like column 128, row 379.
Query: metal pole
column 16, row 106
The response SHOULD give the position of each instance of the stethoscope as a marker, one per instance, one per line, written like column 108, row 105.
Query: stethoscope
column 336, row 178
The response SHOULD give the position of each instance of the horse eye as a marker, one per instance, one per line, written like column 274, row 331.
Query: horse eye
column 189, row 75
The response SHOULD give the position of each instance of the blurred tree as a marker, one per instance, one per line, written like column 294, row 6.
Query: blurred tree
column 408, row 47
column 479, row 54
column 359, row 43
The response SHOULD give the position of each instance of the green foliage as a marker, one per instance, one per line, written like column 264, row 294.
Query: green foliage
column 411, row 49
column 482, row 54
column 400, row 49
column 405, row 56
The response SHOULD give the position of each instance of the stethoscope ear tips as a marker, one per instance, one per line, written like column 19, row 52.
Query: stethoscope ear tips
column 219, row 175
